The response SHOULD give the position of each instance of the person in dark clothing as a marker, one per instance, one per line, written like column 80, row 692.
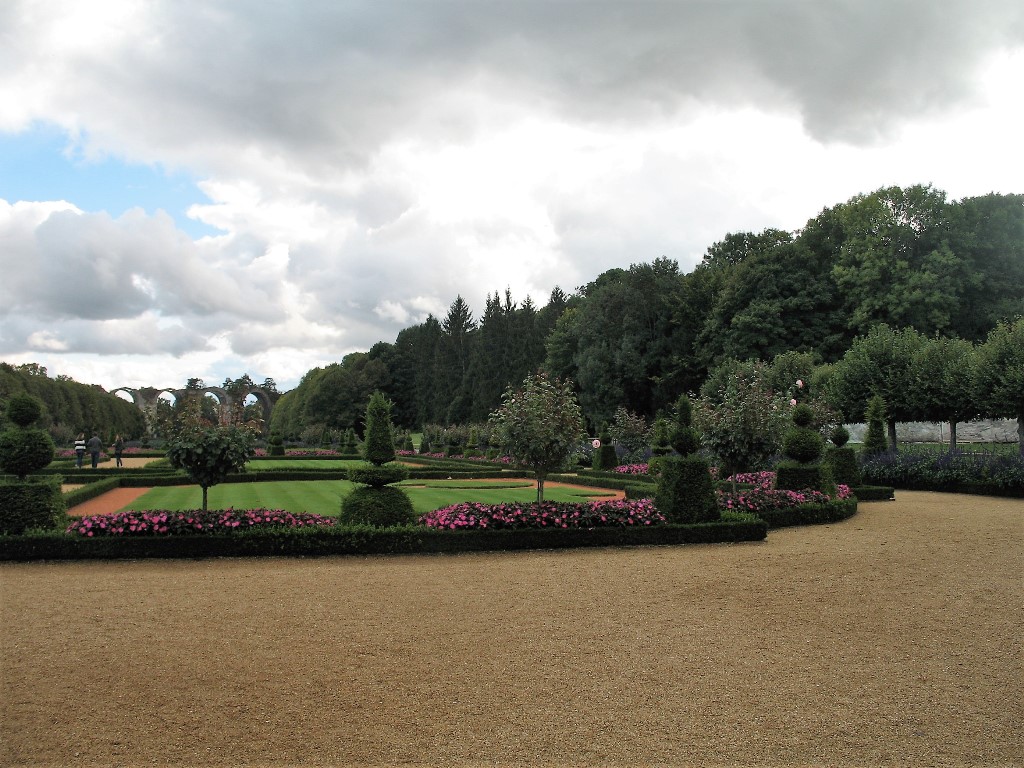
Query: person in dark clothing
column 118, row 449
column 95, row 446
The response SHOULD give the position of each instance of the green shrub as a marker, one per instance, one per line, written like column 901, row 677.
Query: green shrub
column 843, row 464
column 683, row 437
column 874, row 439
column 605, row 457
column 380, row 507
column 794, row 476
column 378, row 477
column 379, row 447
column 839, row 436
column 276, row 444
column 802, row 444
column 685, row 491
column 24, row 448
column 31, row 504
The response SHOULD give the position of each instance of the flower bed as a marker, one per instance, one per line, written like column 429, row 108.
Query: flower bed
column 766, row 499
column 595, row 514
column 632, row 469
column 165, row 523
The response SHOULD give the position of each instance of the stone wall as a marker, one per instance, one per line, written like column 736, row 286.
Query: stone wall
column 998, row 431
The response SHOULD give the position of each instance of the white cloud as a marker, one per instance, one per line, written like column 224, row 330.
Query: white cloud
column 367, row 162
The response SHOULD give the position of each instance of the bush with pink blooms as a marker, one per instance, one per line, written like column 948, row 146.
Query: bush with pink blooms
column 158, row 522
column 763, row 499
column 594, row 514
column 632, row 469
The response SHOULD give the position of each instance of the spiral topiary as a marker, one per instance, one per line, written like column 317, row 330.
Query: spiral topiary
column 803, row 446
column 685, row 489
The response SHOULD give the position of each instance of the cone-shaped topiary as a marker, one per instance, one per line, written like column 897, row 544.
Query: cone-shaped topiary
column 684, row 437
column 874, row 439
column 379, row 447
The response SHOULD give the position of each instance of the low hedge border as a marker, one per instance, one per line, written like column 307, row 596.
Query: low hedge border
column 810, row 514
column 91, row 491
column 365, row 540
column 615, row 482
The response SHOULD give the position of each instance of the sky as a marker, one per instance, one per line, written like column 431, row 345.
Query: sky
column 210, row 188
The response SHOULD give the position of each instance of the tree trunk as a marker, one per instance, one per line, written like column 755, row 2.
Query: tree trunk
column 204, row 498
column 952, row 436
column 891, row 423
column 540, row 488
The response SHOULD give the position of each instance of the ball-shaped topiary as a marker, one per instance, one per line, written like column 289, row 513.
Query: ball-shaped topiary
column 839, row 436
column 380, row 507
column 23, row 448
column 803, row 444
column 802, row 415
column 23, row 410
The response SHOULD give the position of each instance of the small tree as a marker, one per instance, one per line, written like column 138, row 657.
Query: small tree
column 631, row 432
column 539, row 424
column 744, row 422
column 208, row 454
column 1000, row 374
column 379, row 444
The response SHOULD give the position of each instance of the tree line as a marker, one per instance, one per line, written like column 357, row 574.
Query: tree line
column 637, row 338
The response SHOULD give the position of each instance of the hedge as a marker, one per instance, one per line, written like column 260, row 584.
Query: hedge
column 365, row 540
column 810, row 514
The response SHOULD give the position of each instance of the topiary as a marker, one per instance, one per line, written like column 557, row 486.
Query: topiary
column 24, row 448
column 839, row 436
column 379, row 445
column 605, row 458
column 802, row 445
column 685, row 488
column 276, row 444
column 379, row 507
column 684, row 437
column 874, row 438
column 660, row 443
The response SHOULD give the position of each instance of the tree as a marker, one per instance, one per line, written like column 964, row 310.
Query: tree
column 879, row 363
column 896, row 265
column 208, row 454
column 539, row 425
column 743, row 421
column 377, row 502
column 379, row 444
column 1000, row 374
column 943, row 371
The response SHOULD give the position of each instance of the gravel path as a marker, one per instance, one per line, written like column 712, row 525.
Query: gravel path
column 893, row 638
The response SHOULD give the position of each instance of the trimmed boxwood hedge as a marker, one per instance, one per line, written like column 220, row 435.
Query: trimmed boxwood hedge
column 26, row 504
column 366, row 540
column 873, row 492
column 810, row 514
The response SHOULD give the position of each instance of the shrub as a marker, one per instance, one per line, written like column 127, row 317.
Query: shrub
column 802, row 444
column 548, row 514
column 276, row 443
column 161, row 522
column 874, row 440
column 843, row 465
column 792, row 475
column 379, row 447
column 605, row 457
column 28, row 505
column 24, row 448
column 839, row 436
column 685, row 491
column 380, row 507
column 378, row 477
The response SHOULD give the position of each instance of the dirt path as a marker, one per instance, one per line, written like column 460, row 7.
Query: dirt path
column 892, row 638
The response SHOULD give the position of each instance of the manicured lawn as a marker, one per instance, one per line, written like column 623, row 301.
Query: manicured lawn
column 323, row 497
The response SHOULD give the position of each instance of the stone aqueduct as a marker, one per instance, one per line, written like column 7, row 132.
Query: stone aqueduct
column 145, row 399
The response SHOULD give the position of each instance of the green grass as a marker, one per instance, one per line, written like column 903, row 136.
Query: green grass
column 323, row 497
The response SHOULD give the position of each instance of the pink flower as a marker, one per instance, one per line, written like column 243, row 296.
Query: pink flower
column 793, row 401
column 799, row 384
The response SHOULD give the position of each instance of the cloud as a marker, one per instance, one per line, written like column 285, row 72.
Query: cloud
column 366, row 162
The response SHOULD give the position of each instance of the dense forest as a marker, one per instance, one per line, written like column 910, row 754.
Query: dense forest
column 72, row 407
column 639, row 337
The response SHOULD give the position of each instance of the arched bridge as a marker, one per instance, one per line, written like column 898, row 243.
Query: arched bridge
column 146, row 398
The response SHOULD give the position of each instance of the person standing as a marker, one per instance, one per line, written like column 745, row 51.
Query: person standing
column 79, row 449
column 95, row 445
column 118, row 449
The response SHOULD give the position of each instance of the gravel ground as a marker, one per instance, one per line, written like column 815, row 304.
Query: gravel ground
column 893, row 638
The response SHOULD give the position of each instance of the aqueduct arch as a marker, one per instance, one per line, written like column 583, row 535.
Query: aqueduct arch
column 145, row 399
